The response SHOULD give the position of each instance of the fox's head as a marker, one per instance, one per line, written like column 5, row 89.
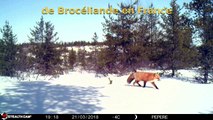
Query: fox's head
column 130, row 78
column 157, row 76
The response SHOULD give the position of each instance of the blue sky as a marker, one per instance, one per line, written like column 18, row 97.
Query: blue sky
column 23, row 15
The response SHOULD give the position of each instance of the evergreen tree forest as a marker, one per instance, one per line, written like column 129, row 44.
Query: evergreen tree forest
column 132, row 41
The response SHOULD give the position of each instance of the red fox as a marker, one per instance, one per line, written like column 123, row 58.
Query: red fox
column 143, row 76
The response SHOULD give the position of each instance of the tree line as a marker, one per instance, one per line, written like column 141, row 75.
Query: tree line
column 132, row 41
column 163, row 42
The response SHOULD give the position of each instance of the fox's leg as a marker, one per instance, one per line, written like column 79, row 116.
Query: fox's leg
column 154, row 85
column 134, row 83
column 144, row 84
column 138, row 83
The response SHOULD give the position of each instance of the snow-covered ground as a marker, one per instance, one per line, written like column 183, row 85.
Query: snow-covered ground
column 82, row 92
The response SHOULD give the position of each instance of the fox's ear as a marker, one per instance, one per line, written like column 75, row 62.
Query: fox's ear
column 157, row 74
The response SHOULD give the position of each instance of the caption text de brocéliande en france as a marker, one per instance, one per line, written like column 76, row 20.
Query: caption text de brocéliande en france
column 100, row 11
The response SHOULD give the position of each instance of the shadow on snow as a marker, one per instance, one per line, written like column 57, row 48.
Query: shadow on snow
column 43, row 98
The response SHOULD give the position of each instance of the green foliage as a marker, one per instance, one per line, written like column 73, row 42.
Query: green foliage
column 46, row 58
column 119, row 33
column 206, row 61
column 23, row 55
column 133, row 41
column 177, row 51
column 72, row 58
column 8, row 51
column 81, row 57
column 106, row 61
column 94, row 54
column 147, row 38
column 152, row 34
column 204, row 23
column 95, row 39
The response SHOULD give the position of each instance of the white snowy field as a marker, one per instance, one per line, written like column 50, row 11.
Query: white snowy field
column 83, row 93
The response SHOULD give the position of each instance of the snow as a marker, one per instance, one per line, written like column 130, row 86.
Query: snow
column 81, row 92
column 88, row 48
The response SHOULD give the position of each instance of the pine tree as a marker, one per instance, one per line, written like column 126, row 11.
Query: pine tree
column 188, row 51
column 176, row 44
column 22, row 55
column 8, row 51
column 46, row 57
column 171, row 25
column 204, row 23
column 119, row 34
column 81, row 58
column 72, row 58
column 152, row 22
column 95, row 39
column 2, row 54
column 148, row 36
column 141, row 40
column 94, row 53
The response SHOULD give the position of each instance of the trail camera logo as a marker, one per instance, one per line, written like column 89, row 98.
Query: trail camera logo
column 4, row 116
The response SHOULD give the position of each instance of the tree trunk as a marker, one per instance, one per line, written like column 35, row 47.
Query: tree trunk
column 173, row 72
column 173, row 68
column 206, row 74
